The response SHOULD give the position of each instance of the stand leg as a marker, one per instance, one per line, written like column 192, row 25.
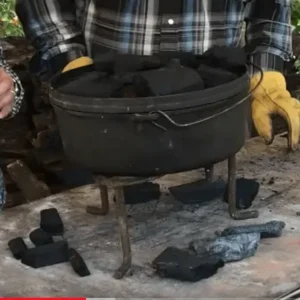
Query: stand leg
column 234, row 213
column 123, row 230
column 209, row 173
column 104, row 208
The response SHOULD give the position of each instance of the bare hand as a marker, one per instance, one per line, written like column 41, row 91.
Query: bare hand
column 6, row 94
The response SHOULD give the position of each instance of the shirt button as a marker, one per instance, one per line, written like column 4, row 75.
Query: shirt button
column 171, row 21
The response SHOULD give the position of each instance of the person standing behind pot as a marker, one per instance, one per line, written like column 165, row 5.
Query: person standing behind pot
column 69, row 34
column 11, row 96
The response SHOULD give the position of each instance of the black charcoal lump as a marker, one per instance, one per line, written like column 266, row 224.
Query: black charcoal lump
column 51, row 222
column 39, row 237
column 246, row 191
column 227, row 58
column 141, row 193
column 172, row 79
column 47, row 255
column 198, row 192
column 180, row 264
column 17, row 247
column 115, row 75
column 213, row 77
column 270, row 229
column 78, row 263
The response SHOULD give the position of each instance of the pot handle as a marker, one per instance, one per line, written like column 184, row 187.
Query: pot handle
column 182, row 125
column 152, row 116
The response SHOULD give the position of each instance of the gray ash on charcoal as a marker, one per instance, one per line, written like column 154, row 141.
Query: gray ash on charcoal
column 229, row 248
column 130, row 76
column 237, row 243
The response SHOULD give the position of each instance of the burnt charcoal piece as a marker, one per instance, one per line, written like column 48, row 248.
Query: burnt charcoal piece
column 235, row 247
column 215, row 76
column 246, row 191
column 232, row 59
column 47, row 255
column 170, row 80
column 181, row 265
column 78, row 263
column 138, row 87
column 17, row 247
column 270, row 229
column 91, row 84
column 39, row 237
column 198, row 192
column 51, row 222
column 187, row 59
column 141, row 193
column 120, row 64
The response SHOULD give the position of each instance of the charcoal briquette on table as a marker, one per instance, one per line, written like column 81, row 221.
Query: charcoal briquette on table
column 235, row 247
column 270, row 229
column 78, row 264
column 246, row 191
column 46, row 255
column 198, row 192
column 17, row 247
column 39, row 237
column 180, row 264
column 141, row 193
column 51, row 221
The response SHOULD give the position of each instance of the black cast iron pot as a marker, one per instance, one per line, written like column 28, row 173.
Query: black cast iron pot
column 151, row 136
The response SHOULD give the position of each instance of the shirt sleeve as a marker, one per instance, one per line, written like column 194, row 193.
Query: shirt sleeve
column 19, row 91
column 269, row 34
column 52, row 29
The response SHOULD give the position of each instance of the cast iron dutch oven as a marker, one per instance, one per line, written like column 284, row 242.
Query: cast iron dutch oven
column 154, row 135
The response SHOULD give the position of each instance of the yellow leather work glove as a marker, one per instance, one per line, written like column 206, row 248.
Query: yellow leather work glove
column 272, row 98
column 78, row 63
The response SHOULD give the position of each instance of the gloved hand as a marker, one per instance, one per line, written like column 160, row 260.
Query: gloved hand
column 78, row 63
column 272, row 98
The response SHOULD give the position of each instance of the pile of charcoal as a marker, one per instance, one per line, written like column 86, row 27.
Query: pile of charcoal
column 48, row 252
column 204, row 258
column 130, row 76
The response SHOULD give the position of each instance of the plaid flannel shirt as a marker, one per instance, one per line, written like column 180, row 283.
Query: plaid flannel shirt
column 62, row 30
